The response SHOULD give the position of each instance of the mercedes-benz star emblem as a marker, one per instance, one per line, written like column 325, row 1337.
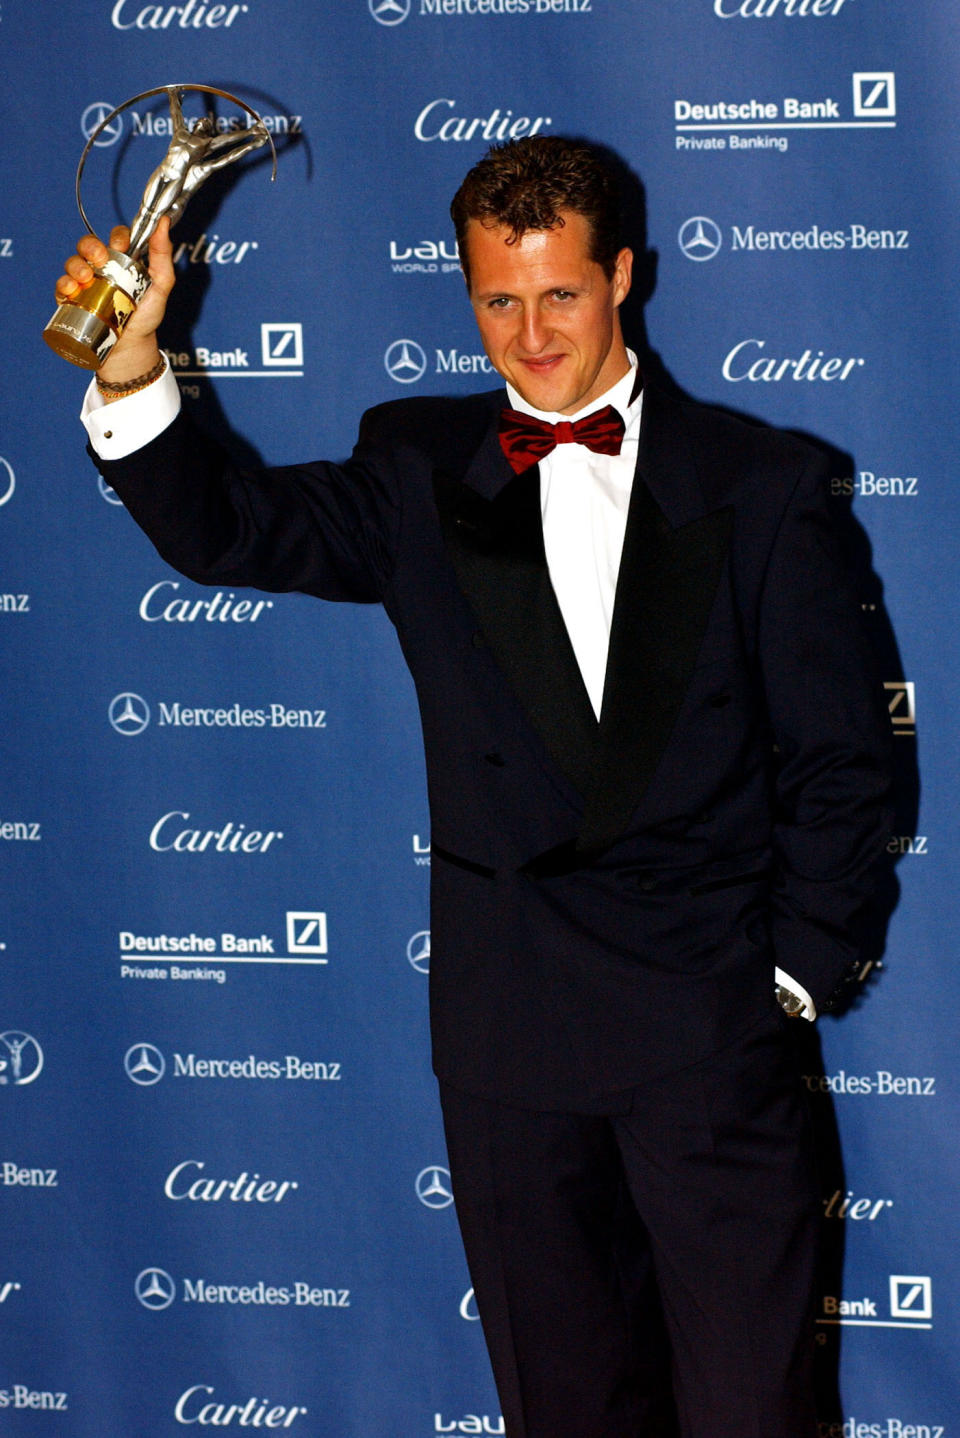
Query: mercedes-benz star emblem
column 8, row 480
column 110, row 495
column 389, row 12
column 144, row 1064
column 433, row 1187
column 21, row 1057
column 405, row 361
column 129, row 714
column 155, row 1288
column 699, row 238
column 92, row 117
column 418, row 951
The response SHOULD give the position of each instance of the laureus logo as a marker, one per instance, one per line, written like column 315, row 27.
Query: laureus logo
column 21, row 1058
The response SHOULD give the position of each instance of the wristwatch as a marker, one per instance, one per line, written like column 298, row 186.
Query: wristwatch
column 791, row 1003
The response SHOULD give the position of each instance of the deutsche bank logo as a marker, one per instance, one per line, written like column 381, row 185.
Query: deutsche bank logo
column 129, row 714
column 874, row 94
column 433, row 1187
column 21, row 1058
column 405, row 361
column 8, row 480
column 93, row 116
column 699, row 238
column 389, row 12
column 144, row 1064
column 306, row 931
column 155, row 1288
column 901, row 702
column 910, row 1297
column 281, row 345
column 418, row 951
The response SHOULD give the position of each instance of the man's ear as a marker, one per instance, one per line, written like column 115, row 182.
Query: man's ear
column 622, row 275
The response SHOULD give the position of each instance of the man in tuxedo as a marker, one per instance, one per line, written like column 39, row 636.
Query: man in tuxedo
column 657, row 769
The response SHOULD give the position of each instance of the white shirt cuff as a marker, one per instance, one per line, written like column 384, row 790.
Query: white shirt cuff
column 809, row 1010
column 118, row 429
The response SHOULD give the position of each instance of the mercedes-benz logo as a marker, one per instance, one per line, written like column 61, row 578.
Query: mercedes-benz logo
column 144, row 1064
column 468, row 1307
column 110, row 495
column 405, row 361
column 91, row 118
column 699, row 238
column 129, row 714
column 155, row 1288
column 433, row 1187
column 21, row 1057
column 389, row 12
column 418, row 951
column 8, row 485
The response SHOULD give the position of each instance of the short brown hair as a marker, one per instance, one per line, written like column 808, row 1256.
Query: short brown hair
column 527, row 183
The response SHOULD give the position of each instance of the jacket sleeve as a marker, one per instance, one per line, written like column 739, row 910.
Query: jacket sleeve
column 327, row 529
column 832, row 734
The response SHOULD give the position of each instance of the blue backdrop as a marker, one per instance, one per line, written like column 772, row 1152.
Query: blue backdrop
column 223, row 1199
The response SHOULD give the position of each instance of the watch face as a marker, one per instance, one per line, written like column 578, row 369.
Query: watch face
column 791, row 1004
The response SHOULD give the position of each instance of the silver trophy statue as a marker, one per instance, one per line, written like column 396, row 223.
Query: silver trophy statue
column 85, row 328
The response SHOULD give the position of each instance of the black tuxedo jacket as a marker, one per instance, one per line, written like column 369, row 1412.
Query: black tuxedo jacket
column 609, row 899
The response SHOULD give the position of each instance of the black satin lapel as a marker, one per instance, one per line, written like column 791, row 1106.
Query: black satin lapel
column 496, row 547
column 666, row 588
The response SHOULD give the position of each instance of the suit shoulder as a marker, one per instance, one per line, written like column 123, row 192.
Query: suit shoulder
column 427, row 421
column 732, row 440
column 740, row 462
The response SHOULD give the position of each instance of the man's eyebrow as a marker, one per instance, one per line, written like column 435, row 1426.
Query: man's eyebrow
column 509, row 294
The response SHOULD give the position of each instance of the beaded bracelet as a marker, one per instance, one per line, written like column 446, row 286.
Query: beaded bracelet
column 131, row 386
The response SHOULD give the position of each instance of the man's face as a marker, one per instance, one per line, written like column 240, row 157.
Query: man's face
column 547, row 313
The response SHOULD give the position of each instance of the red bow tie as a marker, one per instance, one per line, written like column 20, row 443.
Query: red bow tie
column 525, row 440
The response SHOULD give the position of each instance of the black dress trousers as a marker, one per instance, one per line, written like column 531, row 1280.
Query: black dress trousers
column 668, row 1245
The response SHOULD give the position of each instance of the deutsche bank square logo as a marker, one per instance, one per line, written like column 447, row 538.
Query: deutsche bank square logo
column 281, row 345
column 901, row 702
column 874, row 94
column 306, row 932
column 910, row 1297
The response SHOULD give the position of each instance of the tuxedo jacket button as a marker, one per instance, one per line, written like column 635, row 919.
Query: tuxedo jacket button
column 495, row 758
column 478, row 639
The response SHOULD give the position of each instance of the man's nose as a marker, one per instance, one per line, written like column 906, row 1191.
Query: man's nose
column 534, row 332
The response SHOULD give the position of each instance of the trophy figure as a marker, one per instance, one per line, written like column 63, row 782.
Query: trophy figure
column 85, row 328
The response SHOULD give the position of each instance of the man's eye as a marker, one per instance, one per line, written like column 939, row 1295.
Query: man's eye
column 500, row 303
column 563, row 294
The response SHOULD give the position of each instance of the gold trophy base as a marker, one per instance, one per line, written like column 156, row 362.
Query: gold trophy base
column 85, row 329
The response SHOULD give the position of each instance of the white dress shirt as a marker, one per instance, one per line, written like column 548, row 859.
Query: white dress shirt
column 117, row 429
column 584, row 498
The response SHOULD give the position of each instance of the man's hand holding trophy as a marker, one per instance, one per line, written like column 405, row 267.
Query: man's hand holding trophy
column 111, row 298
